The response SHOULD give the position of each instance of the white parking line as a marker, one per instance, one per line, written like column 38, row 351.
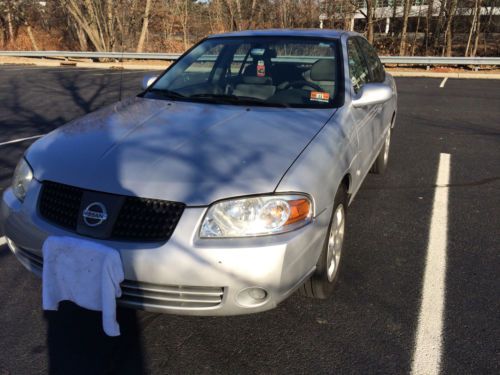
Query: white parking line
column 3, row 241
column 20, row 140
column 443, row 82
column 427, row 354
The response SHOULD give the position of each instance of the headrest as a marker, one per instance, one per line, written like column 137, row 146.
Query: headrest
column 253, row 80
column 323, row 70
column 263, row 53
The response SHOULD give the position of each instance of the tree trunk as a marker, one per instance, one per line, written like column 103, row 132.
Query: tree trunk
column 10, row 24
column 238, row 14
column 430, row 8
column 393, row 18
column 472, row 27
column 406, row 13
column 233, row 23
column 87, row 23
column 95, row 21
column 449, row 27
column 369, row 20
column 145, row 23
column 110, row 30
column 185, row 19
column 349, row 19
column 478, row 29
column 488, row 25
column 82, row 39
column 251, row 22
column 414, row 42
column 31, row 36
column 439, row 24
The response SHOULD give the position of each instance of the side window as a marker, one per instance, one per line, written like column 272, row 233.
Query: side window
column 358, row 70
column 376, row 67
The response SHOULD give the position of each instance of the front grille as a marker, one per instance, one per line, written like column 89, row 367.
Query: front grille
column 138, row 219
column 60, row 204
column 148, row 219
column 153, row 296
column 145, row 295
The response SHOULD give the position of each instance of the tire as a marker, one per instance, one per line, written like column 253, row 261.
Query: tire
column 321, row 284
column 380, row 164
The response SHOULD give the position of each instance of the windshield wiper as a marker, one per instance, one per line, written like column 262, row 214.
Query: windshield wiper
column 234, row 99
column 167, row 93
column 218, row 98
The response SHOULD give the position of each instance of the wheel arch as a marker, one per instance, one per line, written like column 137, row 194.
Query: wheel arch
column 347, row 184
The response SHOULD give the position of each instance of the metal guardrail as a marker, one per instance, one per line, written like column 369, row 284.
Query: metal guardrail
column 407, row 60
column 94, row 55
column 431, row 60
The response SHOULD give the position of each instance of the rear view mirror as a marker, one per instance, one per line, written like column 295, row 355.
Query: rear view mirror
column 372, row 93
column 148, row 80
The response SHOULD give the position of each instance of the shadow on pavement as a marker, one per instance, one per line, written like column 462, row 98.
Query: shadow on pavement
column 78, row 345
column 76, row 342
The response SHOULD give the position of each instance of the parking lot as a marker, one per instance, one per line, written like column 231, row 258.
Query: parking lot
column 371, row 324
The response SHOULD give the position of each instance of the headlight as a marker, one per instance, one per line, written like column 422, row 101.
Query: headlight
column 22, row 177
column 256, row 216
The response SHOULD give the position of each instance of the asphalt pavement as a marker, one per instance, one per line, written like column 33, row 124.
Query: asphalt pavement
column 370, row 323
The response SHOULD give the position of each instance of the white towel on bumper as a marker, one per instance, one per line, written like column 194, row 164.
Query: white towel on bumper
column 84, row 272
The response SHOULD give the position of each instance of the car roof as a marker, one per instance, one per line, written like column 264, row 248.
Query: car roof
column 314, row 33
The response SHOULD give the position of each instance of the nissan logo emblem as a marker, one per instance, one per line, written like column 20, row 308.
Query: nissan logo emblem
column 94, row 214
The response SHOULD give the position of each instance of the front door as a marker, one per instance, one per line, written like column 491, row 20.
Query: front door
column 364, row 118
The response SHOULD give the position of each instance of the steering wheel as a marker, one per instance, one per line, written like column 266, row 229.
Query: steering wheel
column 299, row 84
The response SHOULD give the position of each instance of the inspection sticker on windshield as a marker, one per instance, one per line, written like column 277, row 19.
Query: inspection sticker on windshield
column 318, row 96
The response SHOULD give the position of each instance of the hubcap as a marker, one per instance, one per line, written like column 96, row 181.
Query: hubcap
column 335, row 240
column 386, row 146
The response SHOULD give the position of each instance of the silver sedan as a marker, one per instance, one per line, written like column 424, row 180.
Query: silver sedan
column 225, row 184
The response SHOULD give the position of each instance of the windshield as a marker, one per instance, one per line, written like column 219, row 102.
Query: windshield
column 268, row 71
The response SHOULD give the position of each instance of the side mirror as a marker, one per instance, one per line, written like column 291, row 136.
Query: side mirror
column 372, row 93
column 148, row 80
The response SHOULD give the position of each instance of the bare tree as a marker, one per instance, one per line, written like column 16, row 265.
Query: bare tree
column 430, row 9
column 474, row 27
column 19, row 14
column 145, row 23
column 10, row 23
column 140, row 25
column 370, row 9
column 415, row 35
column 439, row 24
column 478, row 29
column 89, row 16
column 406, row 13
column 449, row 27
column 234, row 9
column 181, row 8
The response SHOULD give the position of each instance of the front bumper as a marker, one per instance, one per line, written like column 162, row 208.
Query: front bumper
column 185, row 275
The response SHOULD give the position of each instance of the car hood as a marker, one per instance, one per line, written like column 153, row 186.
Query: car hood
column 194, row 153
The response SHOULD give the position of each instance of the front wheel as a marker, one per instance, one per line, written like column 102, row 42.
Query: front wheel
column 322, row 282
column 380, row 164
